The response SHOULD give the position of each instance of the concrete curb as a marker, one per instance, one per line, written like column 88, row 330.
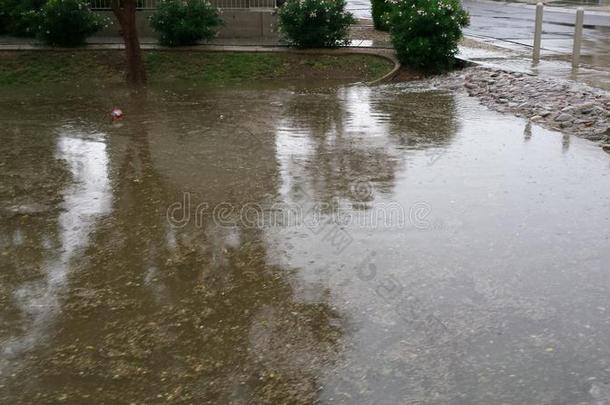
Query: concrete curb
column 384, row 53
column 389, row 75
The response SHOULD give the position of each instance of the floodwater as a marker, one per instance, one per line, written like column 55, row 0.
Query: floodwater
column 336, row 244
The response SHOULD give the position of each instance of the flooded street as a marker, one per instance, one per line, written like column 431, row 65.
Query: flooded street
column 335, row 244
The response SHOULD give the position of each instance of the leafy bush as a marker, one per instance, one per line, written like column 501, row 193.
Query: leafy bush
column 184, row 22
column 20, row 17
column 380, row 9
column 315, row 23
column 425, row 33
column 68, row 22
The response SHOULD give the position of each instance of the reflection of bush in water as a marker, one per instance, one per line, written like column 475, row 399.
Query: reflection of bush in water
column 418, row 119
column 342, row 153
column 319, row 112
column 413, row 118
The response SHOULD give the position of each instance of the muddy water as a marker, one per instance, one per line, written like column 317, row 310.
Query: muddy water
column 286, row 245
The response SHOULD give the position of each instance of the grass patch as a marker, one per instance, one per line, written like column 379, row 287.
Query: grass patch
column 194, row 67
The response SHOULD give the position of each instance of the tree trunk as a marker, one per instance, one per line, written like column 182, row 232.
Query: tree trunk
column 125, row 13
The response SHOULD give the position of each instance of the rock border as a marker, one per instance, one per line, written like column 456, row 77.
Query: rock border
column 565, row 106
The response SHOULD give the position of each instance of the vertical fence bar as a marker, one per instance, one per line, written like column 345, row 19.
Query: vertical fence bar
column 580, row 18
column 538, row 32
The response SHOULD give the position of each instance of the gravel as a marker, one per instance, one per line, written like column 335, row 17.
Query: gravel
column 566, row 106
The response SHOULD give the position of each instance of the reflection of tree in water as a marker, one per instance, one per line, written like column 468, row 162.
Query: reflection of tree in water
column 151, row 314
column 321, row 111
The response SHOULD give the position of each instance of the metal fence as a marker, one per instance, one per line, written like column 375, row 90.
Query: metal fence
column 237, row 4
column 141, row 4
column 224, row 4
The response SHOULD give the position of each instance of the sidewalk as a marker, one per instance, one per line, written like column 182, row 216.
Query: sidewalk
column 502, row 34
column 513, row 57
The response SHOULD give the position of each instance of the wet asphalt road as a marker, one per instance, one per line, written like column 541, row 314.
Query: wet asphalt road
column 514, row 23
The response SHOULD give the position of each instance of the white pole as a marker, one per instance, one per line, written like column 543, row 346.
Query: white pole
column 580, row 17
column 538, row 32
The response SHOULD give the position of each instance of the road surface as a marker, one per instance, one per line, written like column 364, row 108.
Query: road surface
column 513, row 24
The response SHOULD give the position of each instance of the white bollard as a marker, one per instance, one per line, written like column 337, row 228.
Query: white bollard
column 580, row 18
column 538, row 32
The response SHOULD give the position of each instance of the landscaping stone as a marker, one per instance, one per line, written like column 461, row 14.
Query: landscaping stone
column 564, row 117
column 562, row 105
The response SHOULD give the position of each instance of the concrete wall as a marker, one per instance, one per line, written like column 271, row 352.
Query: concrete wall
column 246, row 23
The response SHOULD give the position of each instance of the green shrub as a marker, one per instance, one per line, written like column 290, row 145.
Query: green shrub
column 425, row 33
column 68, row 22
column 315, row 23
column 4, row 16
column 184, row 22
column 20, row 17
column 4, row 20
column 380, row 9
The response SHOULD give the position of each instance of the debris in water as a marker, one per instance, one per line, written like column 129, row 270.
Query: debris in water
column 116, row 114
